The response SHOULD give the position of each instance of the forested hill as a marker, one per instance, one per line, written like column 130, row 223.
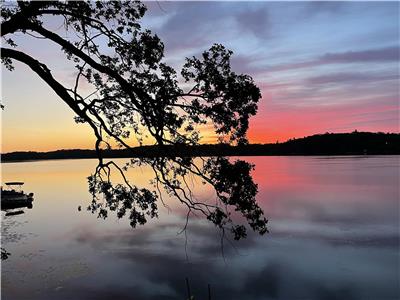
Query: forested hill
column 356, row 143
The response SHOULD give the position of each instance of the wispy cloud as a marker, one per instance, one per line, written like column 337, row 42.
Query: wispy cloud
column 370, row 55
column 351, row 78
column 255, row 21
column 377, row 55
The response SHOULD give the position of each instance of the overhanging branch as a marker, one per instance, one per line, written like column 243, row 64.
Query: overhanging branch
column 45, row 74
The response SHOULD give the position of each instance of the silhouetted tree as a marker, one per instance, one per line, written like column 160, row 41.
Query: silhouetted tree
column 136, row 96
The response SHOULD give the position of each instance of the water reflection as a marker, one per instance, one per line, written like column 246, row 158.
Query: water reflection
column 334, row 235
column 11, row 208
column 230, row 179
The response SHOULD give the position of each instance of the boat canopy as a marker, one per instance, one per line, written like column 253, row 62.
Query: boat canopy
column 14, row 183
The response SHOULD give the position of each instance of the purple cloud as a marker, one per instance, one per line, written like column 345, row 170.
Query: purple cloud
column 255, row 21
column 387, row 54
column 372, row 55
column 351, row 78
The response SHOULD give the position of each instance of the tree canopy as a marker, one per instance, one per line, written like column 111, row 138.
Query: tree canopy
column 136, row 96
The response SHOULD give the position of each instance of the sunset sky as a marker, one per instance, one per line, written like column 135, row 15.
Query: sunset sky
column 325, row 66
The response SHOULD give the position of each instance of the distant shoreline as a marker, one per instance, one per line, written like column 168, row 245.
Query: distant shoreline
column 356, row 143
column 272, row 155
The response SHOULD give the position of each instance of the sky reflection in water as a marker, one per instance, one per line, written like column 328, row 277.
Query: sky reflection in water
column 334, row 235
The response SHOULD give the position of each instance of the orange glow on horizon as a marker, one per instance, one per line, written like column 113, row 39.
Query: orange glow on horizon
column 271, row 124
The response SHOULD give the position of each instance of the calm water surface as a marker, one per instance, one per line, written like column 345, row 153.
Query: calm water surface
column 334, row 225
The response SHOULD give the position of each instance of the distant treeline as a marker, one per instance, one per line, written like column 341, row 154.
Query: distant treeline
column 355, row 143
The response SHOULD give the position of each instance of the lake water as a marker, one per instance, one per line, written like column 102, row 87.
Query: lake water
column 334, row 234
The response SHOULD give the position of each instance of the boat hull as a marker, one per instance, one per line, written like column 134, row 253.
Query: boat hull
column 10, row 201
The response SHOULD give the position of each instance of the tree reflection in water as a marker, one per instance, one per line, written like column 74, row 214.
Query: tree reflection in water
column 235, row 191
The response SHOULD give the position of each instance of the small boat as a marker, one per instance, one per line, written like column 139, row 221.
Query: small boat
column 14, row 197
